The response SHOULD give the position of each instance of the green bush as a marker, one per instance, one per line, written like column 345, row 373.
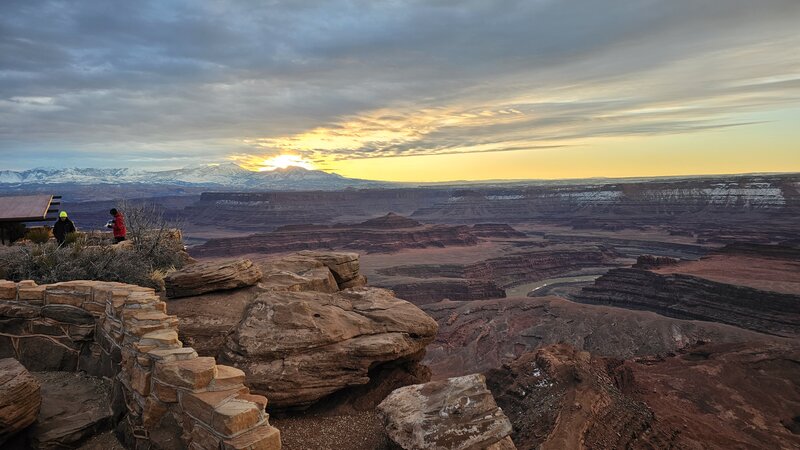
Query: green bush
column 38, row 235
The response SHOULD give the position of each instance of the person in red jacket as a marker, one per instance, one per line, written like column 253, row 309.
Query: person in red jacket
column 117, row 224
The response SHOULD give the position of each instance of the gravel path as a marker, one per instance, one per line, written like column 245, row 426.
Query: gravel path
column 361, row 431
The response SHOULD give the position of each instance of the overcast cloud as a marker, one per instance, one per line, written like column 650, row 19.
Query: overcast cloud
column 168, row 84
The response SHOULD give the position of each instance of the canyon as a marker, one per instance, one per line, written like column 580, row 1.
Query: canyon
column 651, row 313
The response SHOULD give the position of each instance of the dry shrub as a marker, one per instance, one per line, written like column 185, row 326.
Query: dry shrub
column 38, row 235
column 144, row 261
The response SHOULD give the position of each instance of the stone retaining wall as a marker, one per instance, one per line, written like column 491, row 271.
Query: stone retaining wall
column 169, row 397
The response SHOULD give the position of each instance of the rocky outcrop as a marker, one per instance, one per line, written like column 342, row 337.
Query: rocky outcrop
column 695, row 298
column 706, row 396
column 558, row 397
column 653, row 201
column 297, row 273
column 479, row 335
column 166, row 396
column 426, row 271
column 719, row 396
column 489, row 278
column 457, row 413
column 431, row 291
column 255, row 211
column 391, row 221
column 372, row 236
column 298, row 347
column 496, row 230
column 522, row 267
column 654, row 262
column 20, row 398
column 790, row 252
column 200, row 278
column 344, row 267
column 206, row 320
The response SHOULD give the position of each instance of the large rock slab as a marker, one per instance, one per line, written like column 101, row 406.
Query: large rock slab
column 20, row 398
column 455, row 414
column 206, row 277
column 297, row 347
column 75, row 407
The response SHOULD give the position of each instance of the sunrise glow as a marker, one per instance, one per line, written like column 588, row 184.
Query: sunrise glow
column 284, row 161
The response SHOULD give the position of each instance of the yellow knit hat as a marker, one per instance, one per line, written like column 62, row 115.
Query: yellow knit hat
column 62, row 214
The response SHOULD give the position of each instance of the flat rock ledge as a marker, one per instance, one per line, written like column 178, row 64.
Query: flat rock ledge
column 201, row 278
column 456, row 414
column 20, row 398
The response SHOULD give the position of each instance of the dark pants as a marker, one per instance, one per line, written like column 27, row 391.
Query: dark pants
column 118, row 239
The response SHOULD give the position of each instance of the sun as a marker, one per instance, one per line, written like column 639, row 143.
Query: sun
column 284, row 161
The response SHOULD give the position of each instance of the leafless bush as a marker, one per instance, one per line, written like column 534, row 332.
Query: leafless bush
column 154, row 237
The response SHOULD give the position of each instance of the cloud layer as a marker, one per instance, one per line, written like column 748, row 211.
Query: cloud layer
column 171, row 83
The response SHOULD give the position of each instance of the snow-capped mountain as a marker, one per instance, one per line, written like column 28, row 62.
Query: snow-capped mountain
column 218, row 175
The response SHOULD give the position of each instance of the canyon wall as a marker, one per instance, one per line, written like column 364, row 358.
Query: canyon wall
column 386, row 234
column 695, row 298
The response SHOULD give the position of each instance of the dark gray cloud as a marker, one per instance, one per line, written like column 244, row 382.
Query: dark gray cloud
column 175, row 82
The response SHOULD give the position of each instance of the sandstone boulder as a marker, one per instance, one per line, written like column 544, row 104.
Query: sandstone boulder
column 20, row 398
column 297, row 347
column 344, row 265
column 456, row 414
column 205, row 277
column 297, row 273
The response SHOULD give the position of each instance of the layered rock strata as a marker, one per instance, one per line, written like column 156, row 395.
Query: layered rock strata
column 424, row 292
column 496, row 230
column 20, row 398
column 344, row 267
column 199, row 278
column 488, row 279
column 170, row 397
column 479, row 335
column 695, row 298
column 458, row 414
column 370, row 236
column 707, row 396
column 558, row 397
column 518, row 268
column 297, row 347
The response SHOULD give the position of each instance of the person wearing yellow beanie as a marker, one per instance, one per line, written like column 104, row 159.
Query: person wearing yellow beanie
column 63, row 227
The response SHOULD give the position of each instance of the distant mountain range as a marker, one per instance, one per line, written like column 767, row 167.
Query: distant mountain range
column 227, row 175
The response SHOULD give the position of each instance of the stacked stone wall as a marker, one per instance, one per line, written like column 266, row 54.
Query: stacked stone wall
column 168, row 397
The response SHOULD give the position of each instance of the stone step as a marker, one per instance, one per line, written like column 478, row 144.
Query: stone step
column 235, row 416
column 227, row 378
column 193, row 374
column 262, row 437
column 201, row 405
column 176, row 354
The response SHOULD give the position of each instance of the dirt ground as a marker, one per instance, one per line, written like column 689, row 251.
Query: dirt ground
column 361, row 431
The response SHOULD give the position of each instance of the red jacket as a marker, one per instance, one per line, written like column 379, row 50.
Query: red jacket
column 119, row 226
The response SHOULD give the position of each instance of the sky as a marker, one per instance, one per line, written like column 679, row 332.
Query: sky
column 397, row 90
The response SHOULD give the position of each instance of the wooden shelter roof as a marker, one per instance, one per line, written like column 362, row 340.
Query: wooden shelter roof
column 27, row 208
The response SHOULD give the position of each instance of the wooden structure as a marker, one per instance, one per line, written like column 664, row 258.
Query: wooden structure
column 18, row 210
